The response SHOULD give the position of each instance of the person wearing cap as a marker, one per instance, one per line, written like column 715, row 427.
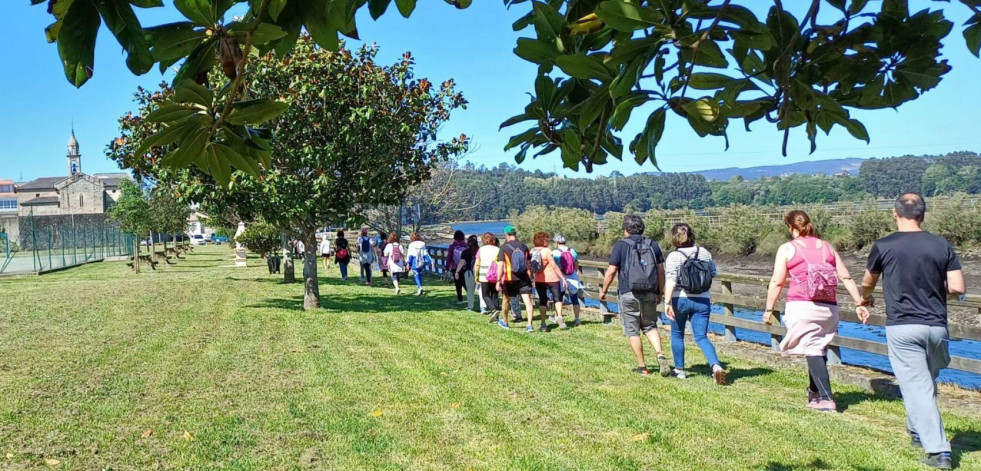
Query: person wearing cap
column 515, row 277
column 573, row 286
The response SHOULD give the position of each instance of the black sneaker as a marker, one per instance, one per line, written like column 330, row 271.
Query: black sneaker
column 914, row 439
column 938, row 460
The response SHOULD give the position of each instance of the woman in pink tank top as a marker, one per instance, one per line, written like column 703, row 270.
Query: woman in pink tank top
column 814, row 270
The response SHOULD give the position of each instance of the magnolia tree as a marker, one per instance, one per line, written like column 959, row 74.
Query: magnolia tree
column 705, row 63
column 133, row 215
column 355, row 135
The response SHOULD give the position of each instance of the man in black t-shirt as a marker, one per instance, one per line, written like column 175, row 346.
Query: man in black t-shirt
column 919, row 271
column 638, row 312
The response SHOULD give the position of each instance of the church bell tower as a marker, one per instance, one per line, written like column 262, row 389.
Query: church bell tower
column 74, row 157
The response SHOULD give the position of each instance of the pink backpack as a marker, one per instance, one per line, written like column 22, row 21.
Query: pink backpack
column 492, row 273
column 821, row 282
column 397, row 254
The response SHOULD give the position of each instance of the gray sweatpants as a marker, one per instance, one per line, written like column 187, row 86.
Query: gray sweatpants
column 917, row 353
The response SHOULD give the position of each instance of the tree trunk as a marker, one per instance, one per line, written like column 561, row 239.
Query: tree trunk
column 136, row 253
column 311, row 286
column 289, row 275
column 153, row 249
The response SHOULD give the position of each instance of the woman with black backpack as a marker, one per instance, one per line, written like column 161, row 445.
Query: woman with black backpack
column 688, row 273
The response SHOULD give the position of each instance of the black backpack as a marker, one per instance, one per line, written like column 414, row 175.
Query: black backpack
column 641, row 268
column 695, row 276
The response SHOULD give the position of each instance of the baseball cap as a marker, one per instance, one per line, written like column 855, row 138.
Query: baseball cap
column 510, row 230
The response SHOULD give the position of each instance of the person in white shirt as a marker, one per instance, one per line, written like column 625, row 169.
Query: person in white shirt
column 324, row 250
column 418, row 257
column 395, row 256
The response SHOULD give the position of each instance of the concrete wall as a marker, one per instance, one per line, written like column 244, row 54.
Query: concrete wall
column 56, row 231
column 10, row 224
column 25, row 196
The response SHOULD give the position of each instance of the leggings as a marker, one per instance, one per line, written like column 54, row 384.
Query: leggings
column 488, row 292
column 820, row 380
column 461, row 285
column 366, row 270
column 418, row 278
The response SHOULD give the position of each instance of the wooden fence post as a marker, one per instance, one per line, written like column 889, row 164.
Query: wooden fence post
column 774, row 338
column 729, row 311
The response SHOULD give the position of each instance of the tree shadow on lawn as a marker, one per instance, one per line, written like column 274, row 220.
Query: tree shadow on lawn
column 963, row 442
column 733, row 375
column 815, row 464
column 851, row 398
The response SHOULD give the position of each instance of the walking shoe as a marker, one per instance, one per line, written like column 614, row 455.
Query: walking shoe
column 914, row 439
column 420, row 292
column 823, row 405
column 529, row 329
column 608, row 319
column 642, row 370
column 577, row 322
column 563, row 326
column 938, row 460
column 680, row 374
column 544, row 327
column 398, row 290
column 812, row 397
column 494, row 315
column 662, row 362
column 719, row 375
column 502, row 324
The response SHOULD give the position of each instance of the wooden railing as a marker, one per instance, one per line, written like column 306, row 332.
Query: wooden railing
column 733, row 291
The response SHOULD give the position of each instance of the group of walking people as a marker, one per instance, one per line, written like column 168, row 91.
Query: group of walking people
column 393, row 260
column 919, row 270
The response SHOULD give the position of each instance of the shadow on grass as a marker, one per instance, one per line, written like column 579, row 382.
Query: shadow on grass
column 963, row 442
column 814, row 464
column 295, row 304
column 734, row 375
column 851, row 398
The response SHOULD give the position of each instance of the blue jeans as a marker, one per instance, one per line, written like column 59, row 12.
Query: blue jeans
column 343, row 267
column 696, row 310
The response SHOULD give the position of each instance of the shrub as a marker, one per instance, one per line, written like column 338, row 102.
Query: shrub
column 772, row 238
column 956, row 220
column 869, row 224
column 261, row 238
column 739, row 230
column 577, row 225
column 655, row 226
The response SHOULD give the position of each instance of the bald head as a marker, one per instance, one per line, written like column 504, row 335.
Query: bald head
column 911, row 206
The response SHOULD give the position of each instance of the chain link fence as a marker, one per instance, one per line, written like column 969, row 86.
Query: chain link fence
column 49, row 243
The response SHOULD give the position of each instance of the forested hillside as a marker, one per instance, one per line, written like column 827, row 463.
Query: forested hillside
column 493, row 193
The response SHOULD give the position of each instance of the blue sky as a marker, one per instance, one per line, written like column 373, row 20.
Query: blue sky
column 474, row 47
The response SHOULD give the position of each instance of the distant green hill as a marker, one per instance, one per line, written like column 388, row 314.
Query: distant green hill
column 812, row 167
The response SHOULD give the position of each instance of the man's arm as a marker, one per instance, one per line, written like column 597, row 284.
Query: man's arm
column 955, row 283
column 611, row 273
column 660, row 277
column 869, row 280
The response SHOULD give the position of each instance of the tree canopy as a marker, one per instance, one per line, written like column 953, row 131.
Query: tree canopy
column 704, row 62
column 356, row 135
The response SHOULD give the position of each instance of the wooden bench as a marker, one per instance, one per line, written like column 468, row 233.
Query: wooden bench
column 163, row 254
column 145, row 258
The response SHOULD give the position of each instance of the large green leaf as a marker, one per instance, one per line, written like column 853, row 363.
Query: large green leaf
column 533, row 50
column 263, row 34
column 147, row 3
column 166, row 136
column 709, row 80
column 76, row 41
column 169, row 112
column 193, row 92
column 319, row 27
column 405, row 7
column 377, row 8
column 203, row 12
column 190, row 148
column 256, row 111
column 122, row 22
column 275, row 8
column 857, row 130
column 645, row 145
column 174, row 41
column 201, row 60
column 627, row 17
column 972, row 34
column 583, row 67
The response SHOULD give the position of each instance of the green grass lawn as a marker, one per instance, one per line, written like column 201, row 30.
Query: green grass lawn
column 203, row 366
